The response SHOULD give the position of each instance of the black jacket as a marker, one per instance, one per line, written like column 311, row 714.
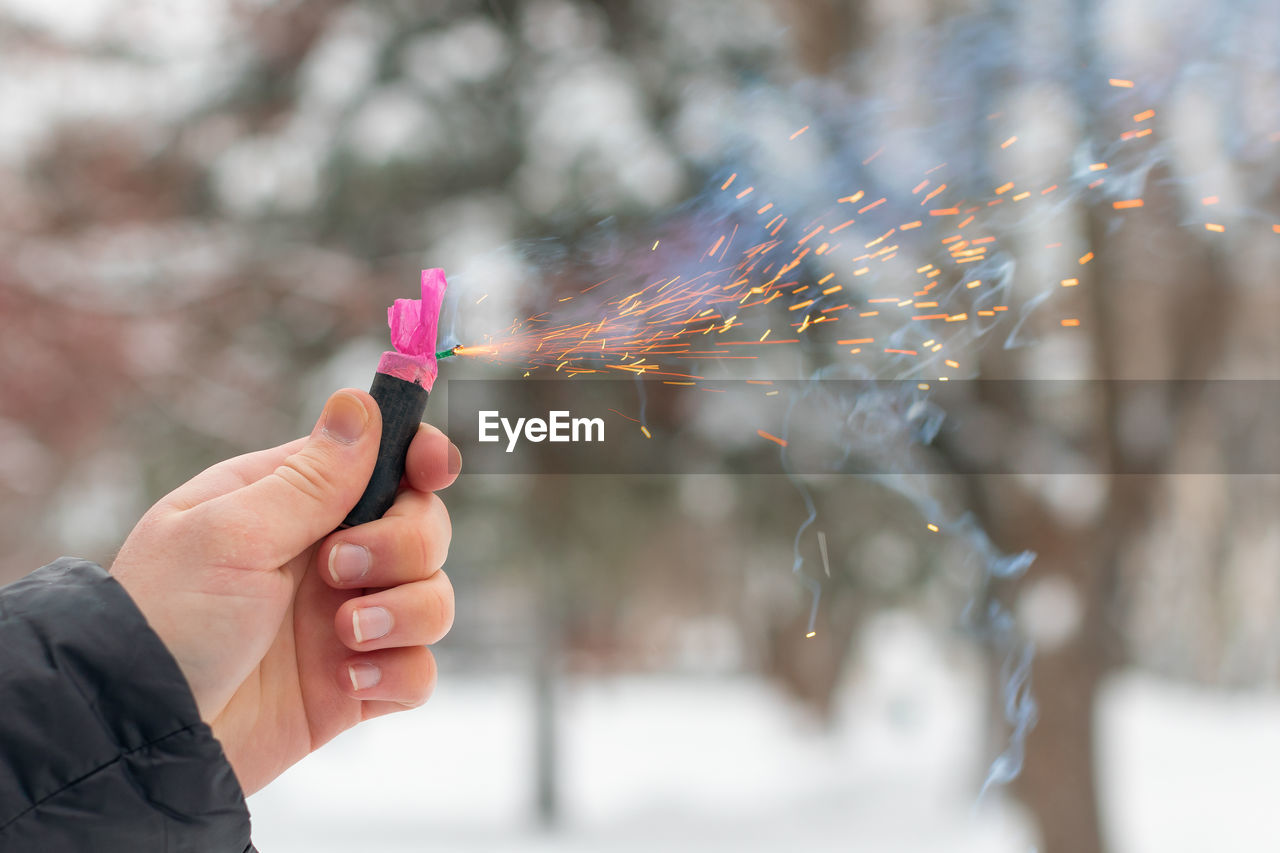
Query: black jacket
column 101, row 746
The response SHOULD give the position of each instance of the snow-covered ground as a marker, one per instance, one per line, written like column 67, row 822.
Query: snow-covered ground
column 670, row 763
column 1184, row 769
column 726, row 764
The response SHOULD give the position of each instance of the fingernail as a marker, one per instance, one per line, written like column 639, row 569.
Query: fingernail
column 363, row 675
column 455, row 459
column 348, row 563
column 370, row 623
column 345, row 418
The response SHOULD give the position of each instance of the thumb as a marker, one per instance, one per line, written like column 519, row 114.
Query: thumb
column 311, row 491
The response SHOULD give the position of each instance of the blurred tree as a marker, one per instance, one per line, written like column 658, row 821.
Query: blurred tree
column 188, row 268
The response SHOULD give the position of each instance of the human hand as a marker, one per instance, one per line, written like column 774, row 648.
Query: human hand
column 288, row 632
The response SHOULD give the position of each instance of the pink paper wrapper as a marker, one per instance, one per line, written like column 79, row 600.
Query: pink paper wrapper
column 414, row 323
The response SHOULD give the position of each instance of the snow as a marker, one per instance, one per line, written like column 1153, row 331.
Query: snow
column 726, row 763
column 700, row 763
column 1185, row 769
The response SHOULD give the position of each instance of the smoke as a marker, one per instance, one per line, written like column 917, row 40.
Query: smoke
column 912, row 233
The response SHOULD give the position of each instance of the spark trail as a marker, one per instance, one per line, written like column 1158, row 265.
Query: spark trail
column 895, row 283
column 912, row 279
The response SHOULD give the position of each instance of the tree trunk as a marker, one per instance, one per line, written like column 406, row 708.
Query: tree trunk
column 1058, row 779
column 545, row 665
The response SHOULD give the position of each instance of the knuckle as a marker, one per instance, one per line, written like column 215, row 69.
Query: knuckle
column 304, row 473
column 425, row 551
column 442, row 601
column 431, row 536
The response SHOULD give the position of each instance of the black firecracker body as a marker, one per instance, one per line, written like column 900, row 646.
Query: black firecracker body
column 402, row 404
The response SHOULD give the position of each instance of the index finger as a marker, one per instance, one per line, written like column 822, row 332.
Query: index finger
column 433, row 462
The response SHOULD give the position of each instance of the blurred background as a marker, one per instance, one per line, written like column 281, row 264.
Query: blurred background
column 206, row 207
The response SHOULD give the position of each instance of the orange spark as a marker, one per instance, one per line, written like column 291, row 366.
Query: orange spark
column 1127, row 204
column 877, row 241
column 1121, row 84
column 1070, row 321
column 745, row 192
column 781, row 442
column 800, row 131
column 1209, row 199
column 1008, row 142
column 1144, row 115
column 1085, row 258
column 1213, row 226
column 726, row 184
column 805, row 238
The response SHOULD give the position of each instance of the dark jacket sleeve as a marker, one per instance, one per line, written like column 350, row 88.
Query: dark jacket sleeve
column 101, row 746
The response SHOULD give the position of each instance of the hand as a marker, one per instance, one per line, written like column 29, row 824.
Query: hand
column 290, row 633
